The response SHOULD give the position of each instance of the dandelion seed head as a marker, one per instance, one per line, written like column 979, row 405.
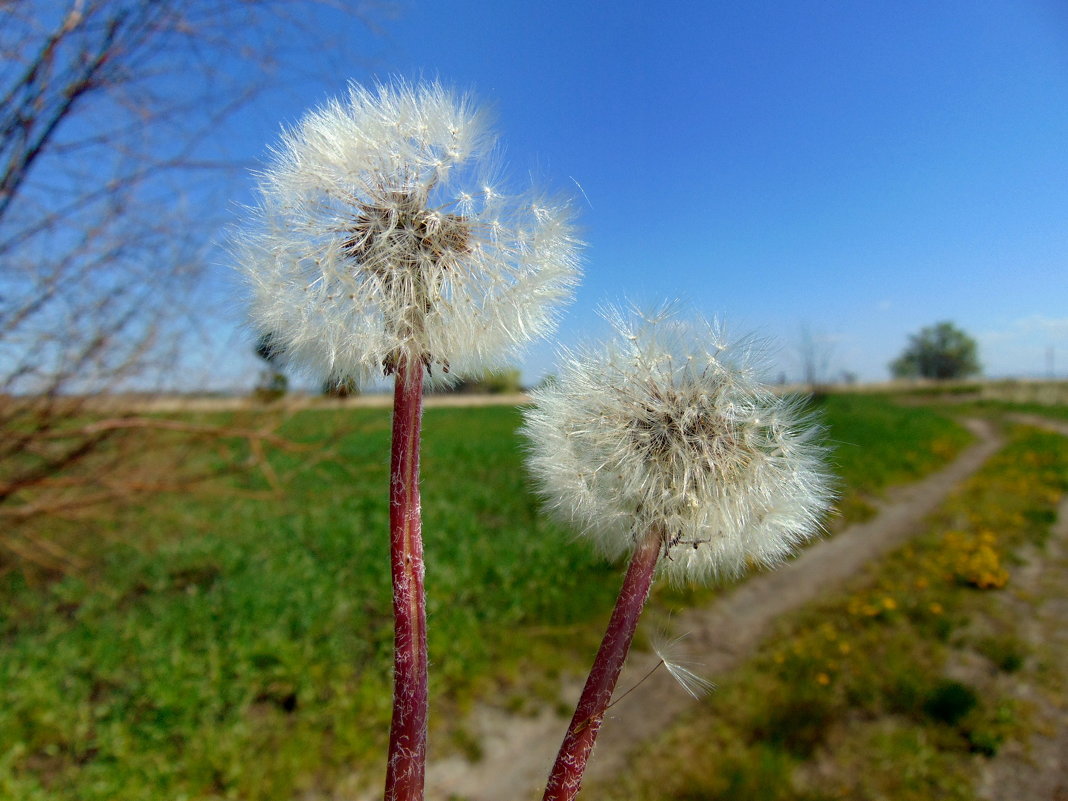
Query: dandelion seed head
column 667, row 427
column 383, row 232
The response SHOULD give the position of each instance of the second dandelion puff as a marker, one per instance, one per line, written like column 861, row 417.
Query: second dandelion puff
column 666, row 426
column 663, row 443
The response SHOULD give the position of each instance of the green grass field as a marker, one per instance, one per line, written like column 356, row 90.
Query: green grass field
column 1053, row 412
column 224, row 645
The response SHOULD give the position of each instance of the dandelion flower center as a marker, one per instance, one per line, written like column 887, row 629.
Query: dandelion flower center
column 677, row 425
column 408, row 249
column 402, row 232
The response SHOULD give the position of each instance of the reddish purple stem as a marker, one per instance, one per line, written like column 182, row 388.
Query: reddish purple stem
column 566, row 777
column 407, row 732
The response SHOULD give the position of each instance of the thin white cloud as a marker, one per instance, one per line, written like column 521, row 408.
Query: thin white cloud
column 1032, row 327
column 1025, row 347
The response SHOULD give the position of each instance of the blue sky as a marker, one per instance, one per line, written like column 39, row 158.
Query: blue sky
column 862, row 169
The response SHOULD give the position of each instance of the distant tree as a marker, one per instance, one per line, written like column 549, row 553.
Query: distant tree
column 939, row 351
column 340, row 388
column 273, row 383
column 492, row 382
column 502, row 382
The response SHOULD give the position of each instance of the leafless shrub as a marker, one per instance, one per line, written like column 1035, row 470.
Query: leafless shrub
column 815, row 352
column 115, row 174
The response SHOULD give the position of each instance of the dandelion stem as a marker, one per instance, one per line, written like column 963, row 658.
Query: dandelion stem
column 565, row 780
column 407, row 733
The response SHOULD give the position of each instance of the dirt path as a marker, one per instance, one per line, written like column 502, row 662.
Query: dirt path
column 1048, row 423
column 517, row 752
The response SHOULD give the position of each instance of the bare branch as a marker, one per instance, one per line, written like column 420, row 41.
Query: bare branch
column 113, row 138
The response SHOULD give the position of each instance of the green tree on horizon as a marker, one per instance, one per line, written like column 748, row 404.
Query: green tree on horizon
column 941, row 351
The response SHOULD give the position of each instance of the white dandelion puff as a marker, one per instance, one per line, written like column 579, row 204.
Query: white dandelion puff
column 382, row 243
column 381, row 236
column 667, row 427
column 663, row 443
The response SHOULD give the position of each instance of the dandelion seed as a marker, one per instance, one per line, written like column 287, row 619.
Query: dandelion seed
column 695, row 685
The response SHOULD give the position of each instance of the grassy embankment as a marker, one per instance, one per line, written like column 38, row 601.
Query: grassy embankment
column 996, row 398
column 228, row 646
column 861, row 696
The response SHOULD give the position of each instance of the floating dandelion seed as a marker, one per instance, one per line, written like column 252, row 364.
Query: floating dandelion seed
column 382, row 236
column 694, row 685
column 679, row 668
